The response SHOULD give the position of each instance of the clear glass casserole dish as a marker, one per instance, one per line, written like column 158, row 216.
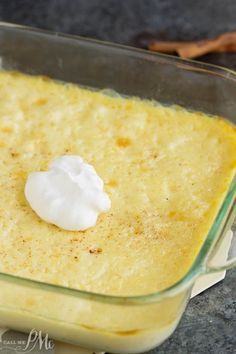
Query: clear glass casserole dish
column 119, row 324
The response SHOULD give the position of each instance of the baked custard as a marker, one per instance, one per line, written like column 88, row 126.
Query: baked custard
column 166, row 171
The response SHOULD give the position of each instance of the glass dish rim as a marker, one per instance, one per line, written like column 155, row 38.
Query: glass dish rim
column 198, row 267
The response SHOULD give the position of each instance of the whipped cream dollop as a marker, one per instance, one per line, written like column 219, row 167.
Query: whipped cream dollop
column 69, row 195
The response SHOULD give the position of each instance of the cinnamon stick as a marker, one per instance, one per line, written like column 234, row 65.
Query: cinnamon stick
column 223, row 43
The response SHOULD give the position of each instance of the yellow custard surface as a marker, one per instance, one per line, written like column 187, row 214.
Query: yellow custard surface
column 165, row 169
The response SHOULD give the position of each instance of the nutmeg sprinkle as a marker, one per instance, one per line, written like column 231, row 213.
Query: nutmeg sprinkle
column 95, row 250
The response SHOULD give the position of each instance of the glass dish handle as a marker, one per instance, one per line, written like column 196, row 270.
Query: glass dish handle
column 224, row 254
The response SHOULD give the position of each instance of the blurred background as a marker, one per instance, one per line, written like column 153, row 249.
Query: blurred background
column 209, row 324
column 132, row 22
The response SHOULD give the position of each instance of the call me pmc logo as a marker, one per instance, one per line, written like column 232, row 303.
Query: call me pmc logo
column 12, row 342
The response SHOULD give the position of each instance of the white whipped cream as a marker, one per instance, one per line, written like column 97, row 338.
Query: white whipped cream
column 69, row 195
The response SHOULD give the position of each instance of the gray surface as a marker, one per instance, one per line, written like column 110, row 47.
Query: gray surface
column 122, row 20
column 209, row 324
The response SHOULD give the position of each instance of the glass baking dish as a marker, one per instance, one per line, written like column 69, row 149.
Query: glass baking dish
column 108, row 323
